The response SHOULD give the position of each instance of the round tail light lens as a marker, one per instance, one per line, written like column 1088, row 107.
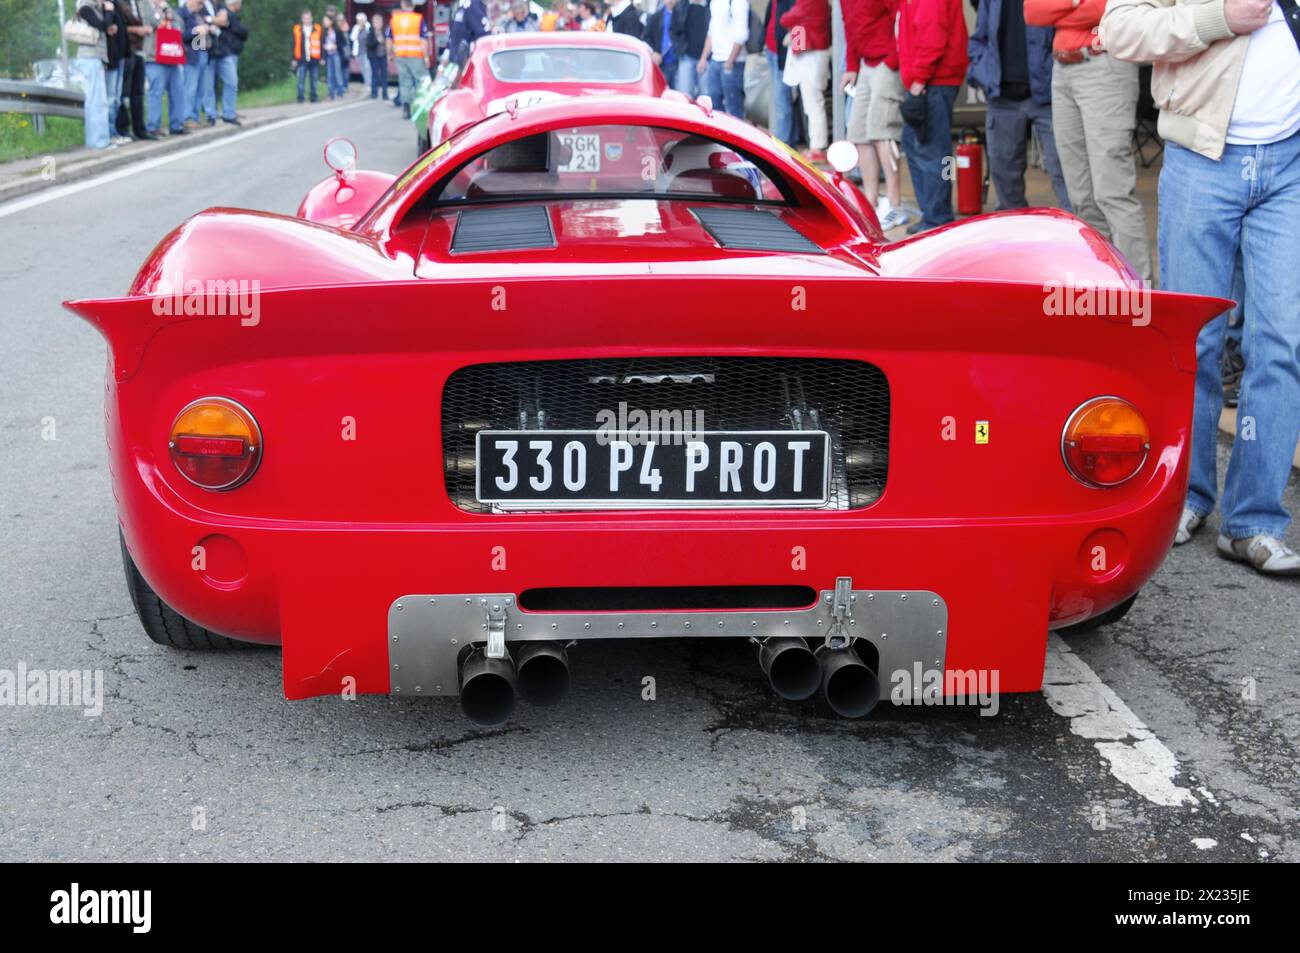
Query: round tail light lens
column 1105, row 442
column 215, row 443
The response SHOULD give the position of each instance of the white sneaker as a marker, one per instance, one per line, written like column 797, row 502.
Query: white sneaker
column 1188, row 524
column 1267, row 554
column 892, row 219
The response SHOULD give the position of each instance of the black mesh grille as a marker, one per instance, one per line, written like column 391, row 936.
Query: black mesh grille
column 847, row 399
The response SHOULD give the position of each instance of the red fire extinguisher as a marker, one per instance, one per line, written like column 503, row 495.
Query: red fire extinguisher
column 970, row 174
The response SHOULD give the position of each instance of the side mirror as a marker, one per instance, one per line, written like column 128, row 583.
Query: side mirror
column 842, row 156
column 341, row 156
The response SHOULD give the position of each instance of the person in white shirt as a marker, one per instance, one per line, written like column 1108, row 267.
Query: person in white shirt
column 722, row 64
column 358, row 38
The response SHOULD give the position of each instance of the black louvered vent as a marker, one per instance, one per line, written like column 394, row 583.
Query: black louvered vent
column 752, row 230
column 500, row 229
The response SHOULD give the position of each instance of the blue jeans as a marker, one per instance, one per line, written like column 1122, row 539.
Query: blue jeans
column 226, row 69
column 782, row 100
column 200, row 87
column 91, row 70
column 379, row 76
column 1246, row 204
column 113, row 96
column 161, row 79
column 727, row 87
column 334, row 75
column 929, row 163
column 685, row 78
column 306, row 67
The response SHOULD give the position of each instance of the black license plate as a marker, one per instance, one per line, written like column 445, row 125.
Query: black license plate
column 571, row 468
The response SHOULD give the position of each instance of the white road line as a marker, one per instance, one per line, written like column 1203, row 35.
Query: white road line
column 1136, row 756
column 132, row 168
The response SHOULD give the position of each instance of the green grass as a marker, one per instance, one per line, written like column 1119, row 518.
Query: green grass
column 19, row 139
column 274, row 94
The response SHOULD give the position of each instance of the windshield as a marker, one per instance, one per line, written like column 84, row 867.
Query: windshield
column 565, row 64
column 622, row 161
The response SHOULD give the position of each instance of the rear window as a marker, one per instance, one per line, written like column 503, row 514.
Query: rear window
column 565, row 64
column 612, row 161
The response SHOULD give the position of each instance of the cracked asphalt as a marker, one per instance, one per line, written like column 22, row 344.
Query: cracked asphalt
column 198, row 757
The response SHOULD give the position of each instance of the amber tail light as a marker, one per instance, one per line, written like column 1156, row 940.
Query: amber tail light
column 215, row 443
column 1105, row 442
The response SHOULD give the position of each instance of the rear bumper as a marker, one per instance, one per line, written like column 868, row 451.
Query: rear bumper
column 327, row 592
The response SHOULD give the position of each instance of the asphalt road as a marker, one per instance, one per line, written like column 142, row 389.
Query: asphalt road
column 1170, row 735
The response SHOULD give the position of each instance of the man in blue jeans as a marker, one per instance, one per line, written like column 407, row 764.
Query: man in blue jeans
column 161, row 77
column 199, row 29
column 932, row 63
column 722, row 64
column 1230, row 187
column 690, row 30
column 774, row 49
column 225, row 59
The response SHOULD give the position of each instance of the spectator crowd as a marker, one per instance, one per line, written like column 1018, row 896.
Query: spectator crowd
column 1059, row 74
column 131, row 54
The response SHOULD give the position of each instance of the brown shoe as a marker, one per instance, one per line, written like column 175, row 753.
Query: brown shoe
column 190, row 125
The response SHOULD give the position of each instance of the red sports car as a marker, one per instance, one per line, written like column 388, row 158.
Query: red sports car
column 439, row 427
column 517, row 70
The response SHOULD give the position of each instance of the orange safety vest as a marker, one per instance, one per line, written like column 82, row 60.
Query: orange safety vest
column 406, row 33
column 314, row 38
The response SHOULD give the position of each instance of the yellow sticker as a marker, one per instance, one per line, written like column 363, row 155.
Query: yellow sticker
column 981, row 431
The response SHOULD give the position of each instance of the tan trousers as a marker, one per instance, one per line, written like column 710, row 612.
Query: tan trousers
column 1094, row 110
column 812, row 90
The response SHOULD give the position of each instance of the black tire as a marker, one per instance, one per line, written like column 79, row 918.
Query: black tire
column 1113, row 614
column 421, row 145
column 161, row 622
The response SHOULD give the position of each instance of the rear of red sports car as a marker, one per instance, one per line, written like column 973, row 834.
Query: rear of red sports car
column 446, row 448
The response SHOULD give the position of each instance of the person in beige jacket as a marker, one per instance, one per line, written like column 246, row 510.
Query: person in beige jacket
column 1227, row 81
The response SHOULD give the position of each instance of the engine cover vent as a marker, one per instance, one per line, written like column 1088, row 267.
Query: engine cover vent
column 502, row 229
column 753, row 230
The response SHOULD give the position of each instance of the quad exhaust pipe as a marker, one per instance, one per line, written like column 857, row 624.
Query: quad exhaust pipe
column 538, row 673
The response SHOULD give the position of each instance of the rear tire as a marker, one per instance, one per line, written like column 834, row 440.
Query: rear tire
column 161, row 622
column 421, row 145
column 1113, row 614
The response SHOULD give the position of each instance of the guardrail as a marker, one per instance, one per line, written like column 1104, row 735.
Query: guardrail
column 40, row 101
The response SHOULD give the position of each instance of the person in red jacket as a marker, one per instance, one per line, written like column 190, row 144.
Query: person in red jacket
column 808, row 66
column 932, row 62
column 875, row 121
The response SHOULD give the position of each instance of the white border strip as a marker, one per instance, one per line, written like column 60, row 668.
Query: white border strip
column 1136, row 756
column 131, row 168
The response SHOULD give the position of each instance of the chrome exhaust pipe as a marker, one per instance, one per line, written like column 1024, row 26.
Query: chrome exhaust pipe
column 849, row 685
column 487, row 689
column 792, row 669
column 543, row 672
